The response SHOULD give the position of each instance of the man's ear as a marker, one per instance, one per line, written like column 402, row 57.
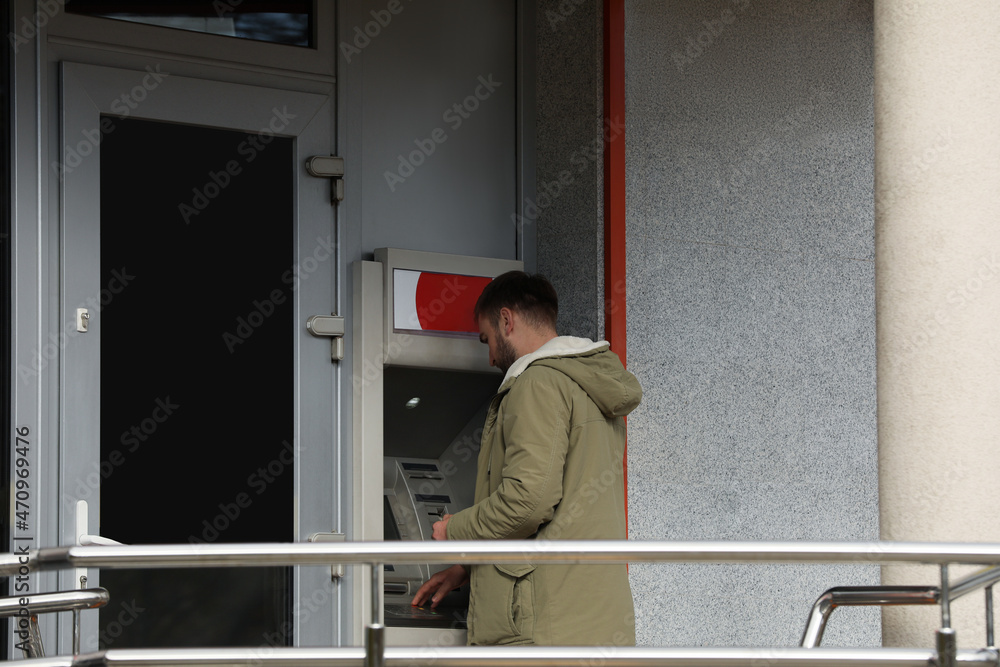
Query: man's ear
column 506, row 321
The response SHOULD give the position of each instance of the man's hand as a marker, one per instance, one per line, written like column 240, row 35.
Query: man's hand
column 441, row 528
column 440, row 584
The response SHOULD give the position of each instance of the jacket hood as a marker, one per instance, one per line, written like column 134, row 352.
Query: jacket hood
column 593, row 366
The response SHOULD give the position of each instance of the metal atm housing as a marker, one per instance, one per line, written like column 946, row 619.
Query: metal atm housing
column 421, row 391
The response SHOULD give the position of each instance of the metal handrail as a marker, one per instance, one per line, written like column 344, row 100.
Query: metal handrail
column 983, row 579
column 522, row 656
column 975, row 581
column 843, row 596
column 499, row 551
column 44, row 603
column 28, row 607
column 375, row 554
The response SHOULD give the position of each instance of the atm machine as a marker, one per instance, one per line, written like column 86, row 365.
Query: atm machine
column 422, row 386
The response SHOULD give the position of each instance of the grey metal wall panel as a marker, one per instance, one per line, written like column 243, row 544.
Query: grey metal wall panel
column 438, row 125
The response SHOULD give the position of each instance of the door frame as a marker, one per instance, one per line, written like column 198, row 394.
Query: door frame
column 41, row 293
column 89, row 94
column 6, row 331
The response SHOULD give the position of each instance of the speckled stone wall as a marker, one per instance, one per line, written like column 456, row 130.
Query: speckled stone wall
column 751, row 317
column 751, row 291
column 569, row 160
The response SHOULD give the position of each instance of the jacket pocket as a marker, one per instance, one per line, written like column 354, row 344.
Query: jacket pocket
column 505, row 611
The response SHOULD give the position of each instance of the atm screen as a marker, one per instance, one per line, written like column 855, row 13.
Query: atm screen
column 390, row 528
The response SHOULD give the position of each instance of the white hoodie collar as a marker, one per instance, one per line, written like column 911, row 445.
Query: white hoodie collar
column 557, row 347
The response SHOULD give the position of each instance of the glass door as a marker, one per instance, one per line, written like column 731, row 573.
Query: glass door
column 197, row 409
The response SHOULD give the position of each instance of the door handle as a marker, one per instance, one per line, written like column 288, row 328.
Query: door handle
column 85, row 539
column 98, row 541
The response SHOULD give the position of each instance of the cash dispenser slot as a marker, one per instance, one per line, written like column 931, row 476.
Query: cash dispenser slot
column 436, row 506
column 396, row 589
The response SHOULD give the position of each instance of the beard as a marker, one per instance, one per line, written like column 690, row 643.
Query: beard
column 505, row 356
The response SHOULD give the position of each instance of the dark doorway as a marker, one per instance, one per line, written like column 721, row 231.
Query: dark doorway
column 197, row 378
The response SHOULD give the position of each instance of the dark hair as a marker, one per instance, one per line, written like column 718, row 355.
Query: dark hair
column 531, row 296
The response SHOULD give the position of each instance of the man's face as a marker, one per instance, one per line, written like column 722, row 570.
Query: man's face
column 502, row 354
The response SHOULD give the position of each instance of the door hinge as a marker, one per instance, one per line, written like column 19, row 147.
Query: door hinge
column 323, row 326
column 336, row 569
column 332, row 167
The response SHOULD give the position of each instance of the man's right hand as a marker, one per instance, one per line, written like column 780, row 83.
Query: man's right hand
column 440, row 584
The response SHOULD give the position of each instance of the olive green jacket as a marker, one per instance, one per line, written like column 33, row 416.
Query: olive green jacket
column 550, row 467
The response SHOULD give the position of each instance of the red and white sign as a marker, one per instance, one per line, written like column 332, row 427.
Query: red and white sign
column 435, row 302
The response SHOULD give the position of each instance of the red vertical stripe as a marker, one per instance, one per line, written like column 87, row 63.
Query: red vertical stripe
column 614, row 185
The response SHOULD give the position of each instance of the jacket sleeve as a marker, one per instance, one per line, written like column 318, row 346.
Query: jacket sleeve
column 536, row 435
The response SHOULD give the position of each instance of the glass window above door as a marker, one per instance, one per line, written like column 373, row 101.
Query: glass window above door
column 288, row 22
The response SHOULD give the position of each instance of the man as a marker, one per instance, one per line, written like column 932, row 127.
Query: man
column 550, row 467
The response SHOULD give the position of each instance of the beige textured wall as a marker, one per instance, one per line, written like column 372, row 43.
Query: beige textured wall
column 937, row 172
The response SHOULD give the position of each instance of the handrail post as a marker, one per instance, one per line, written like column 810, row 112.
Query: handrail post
column 76, row 619
column 33, row 647
column 76, row 632
column 861, row 596
column 990, row 643
column 816, row 624
column 42, row 603
column 945, row 598
column 375, row 631
column 945, row 640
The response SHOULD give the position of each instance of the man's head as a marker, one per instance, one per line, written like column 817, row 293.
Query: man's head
column 516, row 315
